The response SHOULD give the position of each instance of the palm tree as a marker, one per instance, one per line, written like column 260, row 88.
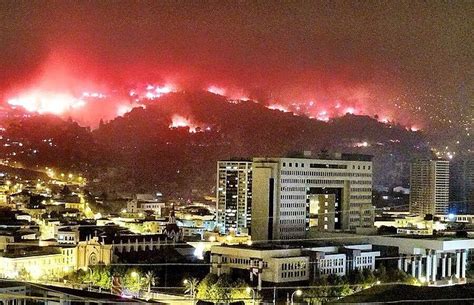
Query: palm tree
column 190, row 286
column 150, row 280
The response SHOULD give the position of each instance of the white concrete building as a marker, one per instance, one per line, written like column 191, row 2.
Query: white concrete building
column 234, row 195
column 145, row 202
column 429, row 187
column 43, row 262
column 284, row 264
column 431, row 260
column 287, row 191
column 68, row 236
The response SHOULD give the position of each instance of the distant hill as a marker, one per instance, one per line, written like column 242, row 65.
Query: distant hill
column 140, row 152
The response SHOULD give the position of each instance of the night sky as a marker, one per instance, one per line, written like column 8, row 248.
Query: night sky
column 369, row 52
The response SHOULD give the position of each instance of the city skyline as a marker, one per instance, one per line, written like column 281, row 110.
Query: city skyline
column 236, row 152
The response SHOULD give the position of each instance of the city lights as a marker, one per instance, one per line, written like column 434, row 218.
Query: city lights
column 236, row 152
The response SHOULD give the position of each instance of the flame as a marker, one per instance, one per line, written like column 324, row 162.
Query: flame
column 154, row 92
column 278, row 107
column 350, row 110
column 123, row 109
column 46, row 102
column 216, row 90
column 180, row 121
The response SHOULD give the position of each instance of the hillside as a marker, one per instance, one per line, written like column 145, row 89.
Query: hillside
column 142, row 151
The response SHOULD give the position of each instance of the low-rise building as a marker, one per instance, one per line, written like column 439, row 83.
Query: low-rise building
column 37, row 262
column 412, row 224
column 435, row 261
column 284, row 264
column 145, row 202
column 68, row 236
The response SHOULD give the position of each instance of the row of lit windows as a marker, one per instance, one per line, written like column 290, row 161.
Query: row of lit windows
column 293, row 266
column 361, row 189
column 361, row 196
column 332, row 270
column 302, row 181
column 325, row 174
column 326, row 165
column 361, row 182
column 292, row 229
column 292, row 221
column 293, row 197
column 319, row 181
column 293, row 205
column 293, row 188
column 364, row 260
column 331, row 262
column 293, row 213
column 242, row 261
column 293, row 274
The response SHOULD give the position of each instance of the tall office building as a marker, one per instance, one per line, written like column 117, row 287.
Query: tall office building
column 291, row 195
column 461, row 186
column 234, row 195
column 429, row 187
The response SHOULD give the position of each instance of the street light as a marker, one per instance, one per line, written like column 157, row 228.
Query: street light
column 91, row 278
column 298, row 294
column 136, row 276
column 249, row 289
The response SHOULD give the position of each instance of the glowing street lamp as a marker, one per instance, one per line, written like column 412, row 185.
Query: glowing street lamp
column 298, row 294
column 36, row 272
column 136, row 276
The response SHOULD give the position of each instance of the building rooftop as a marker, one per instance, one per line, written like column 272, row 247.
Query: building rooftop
column 28, row 251
column 299, row 244
column 326, row 156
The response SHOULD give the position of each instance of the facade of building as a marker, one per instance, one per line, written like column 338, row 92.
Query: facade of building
column 429, row 187
column 38, row 263
column 287, row 192
column 140, row 206
column 430, row 260
column 413, row 224
column 461, row 187
column 274, row 264
column 234, row 195
column 93, row 252
column 67, row 236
